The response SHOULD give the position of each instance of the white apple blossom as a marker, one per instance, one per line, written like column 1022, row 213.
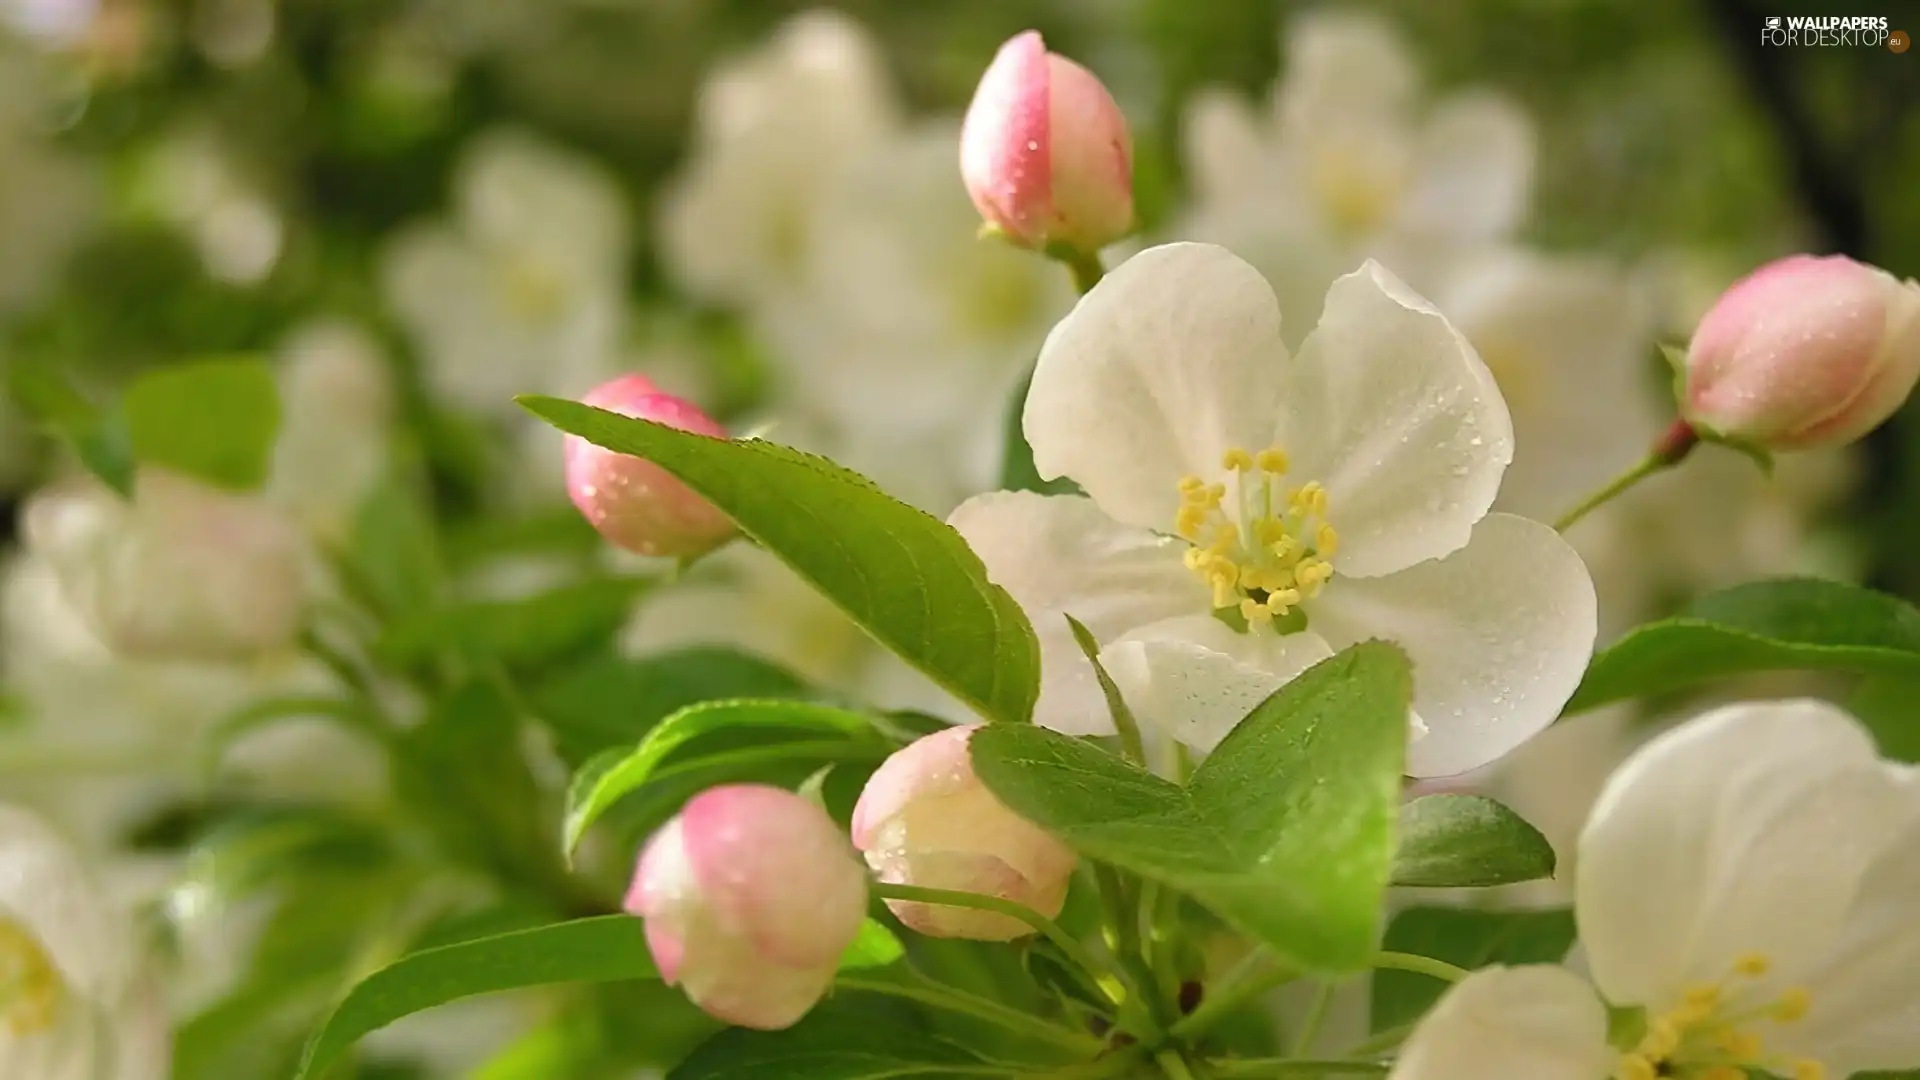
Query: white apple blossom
column 1745, row 895
column 903, row 334
column 333, row 443
column 179, row 571
column 774, row 132
column 1347, row 162
column 75, row 1002
column 195, row 181
column 525, row 286
column 1313, row 500
column 100, row 741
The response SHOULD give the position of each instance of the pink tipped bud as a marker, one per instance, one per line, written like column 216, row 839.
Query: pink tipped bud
column 751, row 895
column 634, row 503
column 1045, row 151
column 925, row 819
column 1804, row 352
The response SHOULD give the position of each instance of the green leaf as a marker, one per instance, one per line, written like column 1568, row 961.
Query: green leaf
column 93, row 435
column 212, row 419
column 611, row 701
column 1468, row 841
column 1466, row 938
column 874, row 947
column 605, row 949
column 1285, row 831
column 1889, row 705
column 904, row 576
column 845, row 1039
column 464, row 772
column 393, row 561
column 612, row 776
column 1124, row 722
column 1798, row 624
column 528, row 632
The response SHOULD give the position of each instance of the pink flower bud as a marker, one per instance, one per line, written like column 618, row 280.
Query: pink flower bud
column 1804, row 352
column 634, row 503
column 751, row 895
column 925, row 819
column 1046, row 153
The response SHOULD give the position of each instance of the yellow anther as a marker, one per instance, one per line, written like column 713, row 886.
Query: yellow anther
column 1704, row 994
column 31, row 990
column 1743, row 1045
column 1693, row 1012
column 1793, row 1005
column 1724, row 1072
column 1263, row 553
column 1662, row 1038
column 1637, row 1067
column 1809, row 1070
column 1753, row 965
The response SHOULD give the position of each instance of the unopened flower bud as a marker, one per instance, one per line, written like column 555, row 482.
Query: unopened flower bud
column 1804, row 352
column 634, row 503
column 1045, row 151
column 751, row 896
column 182, row 571
column 926, row 820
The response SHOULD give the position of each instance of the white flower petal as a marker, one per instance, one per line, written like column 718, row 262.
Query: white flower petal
column 1522, row 1023
column 1865, row 996
column 1282, row 235
column 1170, row 360
column 1391, row 409
column 47, row 892
column 1195, row 679
column 1474, row 170
column 1059, row 555
column 1566, row 340
column 1343, row 67
column 1745, row 830
column 1499, row 633
column 1226, row 147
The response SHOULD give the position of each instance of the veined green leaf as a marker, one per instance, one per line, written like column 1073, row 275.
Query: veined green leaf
column 906, row 577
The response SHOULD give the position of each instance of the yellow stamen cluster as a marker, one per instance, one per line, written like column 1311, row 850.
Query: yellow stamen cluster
column 1270, row 555
column 31, row 991
column 1701, row 1039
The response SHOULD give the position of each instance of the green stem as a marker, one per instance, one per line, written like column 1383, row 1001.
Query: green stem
column 1280, row 1068
column 1140, row 1012
column 953, row 898
column 1249, row 979
column 1425, row 965
column 1381, row 1041
column 980, row 1009
column 1670, row 450
column 1087, row 269
column 1173, row 1065
column 1310, row 1028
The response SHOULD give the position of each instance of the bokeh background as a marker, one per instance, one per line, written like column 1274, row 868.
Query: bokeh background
column 418, row 208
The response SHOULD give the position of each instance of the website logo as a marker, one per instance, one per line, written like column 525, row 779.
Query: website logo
column 1844, row 31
